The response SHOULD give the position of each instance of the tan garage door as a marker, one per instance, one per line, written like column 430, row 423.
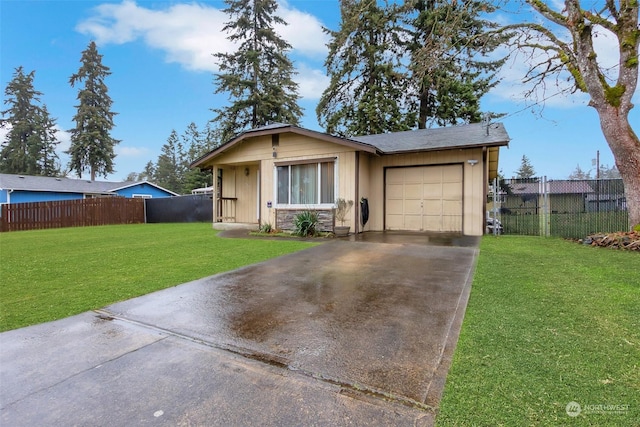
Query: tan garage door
column 425, row 198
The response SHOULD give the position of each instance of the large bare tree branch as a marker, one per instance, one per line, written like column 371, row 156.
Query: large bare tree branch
column 611, row 96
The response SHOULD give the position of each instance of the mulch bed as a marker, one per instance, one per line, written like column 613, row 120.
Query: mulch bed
column 620, row 240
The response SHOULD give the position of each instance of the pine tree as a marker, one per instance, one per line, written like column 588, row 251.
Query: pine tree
column 148, row 173
column 578, row 173
column 607, row 172
column 169, row 169
column 448, row 40
column 526, row 169
column 92, row 147
column 44, row 144
column 196, row 144
column 30, row 143
column 258, row 77
column 368, row 90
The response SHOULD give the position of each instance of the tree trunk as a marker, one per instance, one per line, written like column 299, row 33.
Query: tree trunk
column 625, row 146
column 422, row 117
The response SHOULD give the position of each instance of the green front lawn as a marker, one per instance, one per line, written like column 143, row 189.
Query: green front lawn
column 51, row 274
column 548, row 322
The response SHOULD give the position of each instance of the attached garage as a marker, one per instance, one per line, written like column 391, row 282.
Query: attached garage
column 424, row 198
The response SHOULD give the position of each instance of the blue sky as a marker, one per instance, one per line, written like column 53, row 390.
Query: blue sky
column 159, row 53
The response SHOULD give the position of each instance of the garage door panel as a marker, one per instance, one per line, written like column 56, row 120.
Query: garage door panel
column 412, row 222
column 395, row 191
column 413, row 207
column 451, row 224
column 451, row 174
column 395, row 222
column 431, row 174
column 413, row 176
column 433, row 207
column 432, row 190
column 395, row 176
column 432, row 223
column 413, row 191
column 451, row 207
column 452, row 190
column 395, row 207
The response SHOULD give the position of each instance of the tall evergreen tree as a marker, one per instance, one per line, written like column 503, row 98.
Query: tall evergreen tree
column 258, row 77
column 368, row 90
column 196, row 144
column 169, row 169
column 578, row 173
column 44, row 144
column 148, row 173
column 526, row 169
column 449, row 39
column 92, row 147
column 29, row 147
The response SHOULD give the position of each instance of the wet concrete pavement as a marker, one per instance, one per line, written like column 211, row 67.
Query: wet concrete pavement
column 357, row 331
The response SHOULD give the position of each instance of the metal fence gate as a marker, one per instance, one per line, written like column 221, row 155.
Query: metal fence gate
column 195, row 208
column 565, row 208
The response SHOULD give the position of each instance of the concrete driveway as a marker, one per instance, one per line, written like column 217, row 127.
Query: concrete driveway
column 350, row 332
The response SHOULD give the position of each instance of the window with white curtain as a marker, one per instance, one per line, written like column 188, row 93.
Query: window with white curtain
column 306, row 183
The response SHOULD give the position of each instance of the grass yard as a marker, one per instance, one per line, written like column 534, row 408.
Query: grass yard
column 51, row 274
column 549, row 322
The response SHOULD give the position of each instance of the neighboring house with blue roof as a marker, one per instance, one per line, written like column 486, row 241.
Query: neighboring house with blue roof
column 26, row 188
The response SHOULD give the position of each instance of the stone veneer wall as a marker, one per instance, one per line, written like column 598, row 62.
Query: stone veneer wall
column 285, row 218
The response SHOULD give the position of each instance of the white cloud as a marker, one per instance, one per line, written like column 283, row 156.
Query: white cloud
column 4, row 130
column 189, row 34
column 65, row 140
column 125, row 151
column 311, row 82
column 304, row 32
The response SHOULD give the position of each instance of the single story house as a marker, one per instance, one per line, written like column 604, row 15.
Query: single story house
column 431, row 180
column 26, row 188
column 565, row 196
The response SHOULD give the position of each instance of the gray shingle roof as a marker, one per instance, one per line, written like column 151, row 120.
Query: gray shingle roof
column 554, row 187
column 61, row 185
column 462, row 136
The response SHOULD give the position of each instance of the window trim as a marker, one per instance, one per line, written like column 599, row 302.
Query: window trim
column 317, row 162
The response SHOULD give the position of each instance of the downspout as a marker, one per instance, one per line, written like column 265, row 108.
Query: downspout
column 214, row 193
column 356, row 202
column 485, row 186
column 259, row 183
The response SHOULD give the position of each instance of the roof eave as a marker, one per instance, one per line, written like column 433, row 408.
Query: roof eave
column 361, row 146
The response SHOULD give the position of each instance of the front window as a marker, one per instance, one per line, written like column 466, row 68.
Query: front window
column 306, row 184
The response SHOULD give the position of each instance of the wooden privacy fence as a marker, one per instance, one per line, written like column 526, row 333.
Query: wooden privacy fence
column 71, row 213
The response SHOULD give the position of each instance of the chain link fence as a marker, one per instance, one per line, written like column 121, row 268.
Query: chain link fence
column 565, row 208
